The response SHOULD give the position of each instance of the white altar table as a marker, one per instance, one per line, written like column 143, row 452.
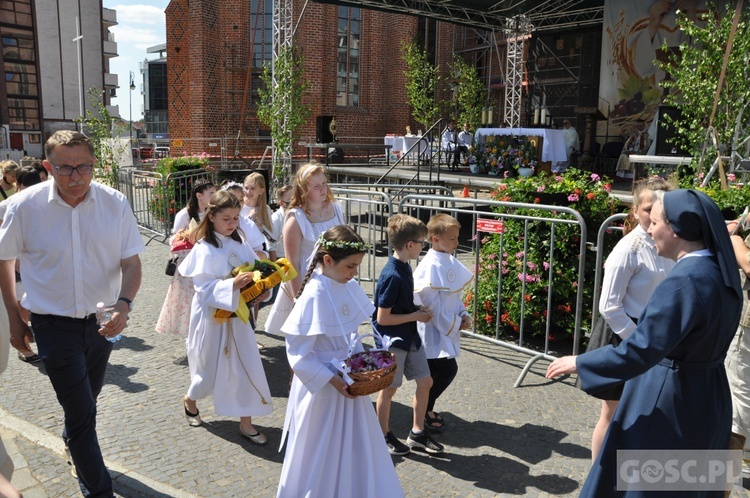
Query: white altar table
column 400, row 144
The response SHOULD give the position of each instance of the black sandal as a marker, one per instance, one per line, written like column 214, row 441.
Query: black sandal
column 33, row 358
column 194, row 419
column 429, row 422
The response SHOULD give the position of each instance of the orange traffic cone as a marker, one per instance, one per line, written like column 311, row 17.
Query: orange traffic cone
column 465, row 192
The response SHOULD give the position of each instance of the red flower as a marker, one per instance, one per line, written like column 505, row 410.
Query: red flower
column 488, row 318
column 591, row 196
column 527, row 297
column 564, row 307
column 487, row 305
column 577, row 191
column 537, row 200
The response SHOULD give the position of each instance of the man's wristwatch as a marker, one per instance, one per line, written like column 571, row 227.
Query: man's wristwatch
column 128, row 302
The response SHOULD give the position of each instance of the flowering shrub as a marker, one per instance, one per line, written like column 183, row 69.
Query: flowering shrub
column 731, row 201
column 503, row 155
column 172, row 194
column 517, row 266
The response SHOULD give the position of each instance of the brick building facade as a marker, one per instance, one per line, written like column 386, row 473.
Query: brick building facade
column 209, row 48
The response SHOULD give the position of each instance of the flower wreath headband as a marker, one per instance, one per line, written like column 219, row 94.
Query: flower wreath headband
column 330, row 244
column 230, row 185
column 338, row 244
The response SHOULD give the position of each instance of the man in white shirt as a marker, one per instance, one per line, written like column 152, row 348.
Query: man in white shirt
column 465, row 139
column 79, row 245
column 572, row 142
column 637, row 143
column 449, row 143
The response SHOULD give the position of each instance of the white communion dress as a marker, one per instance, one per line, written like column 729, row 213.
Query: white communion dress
column 223, row 357
column 335, row 446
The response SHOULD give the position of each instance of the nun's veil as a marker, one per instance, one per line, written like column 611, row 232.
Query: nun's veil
column 694, row 216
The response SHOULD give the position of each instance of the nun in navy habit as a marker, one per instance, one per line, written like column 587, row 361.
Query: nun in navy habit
column 676, row 395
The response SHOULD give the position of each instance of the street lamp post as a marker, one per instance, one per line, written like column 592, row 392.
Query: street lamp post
column 132, row 87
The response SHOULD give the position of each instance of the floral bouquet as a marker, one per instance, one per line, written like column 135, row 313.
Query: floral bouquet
column 182, row 241
column 266, row 275
column 505, row 155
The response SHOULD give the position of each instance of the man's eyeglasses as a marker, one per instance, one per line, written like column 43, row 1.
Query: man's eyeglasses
column 65, row 170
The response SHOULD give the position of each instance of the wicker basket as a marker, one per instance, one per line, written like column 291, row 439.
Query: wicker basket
column 366, row 383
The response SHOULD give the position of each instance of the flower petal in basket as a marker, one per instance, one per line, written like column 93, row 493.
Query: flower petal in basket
column 372, row 381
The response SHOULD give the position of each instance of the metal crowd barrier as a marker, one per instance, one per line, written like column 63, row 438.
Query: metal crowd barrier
column 155, row 199
column 366, row 212
column 367, row 207
column 467, row 207
column 604, row 230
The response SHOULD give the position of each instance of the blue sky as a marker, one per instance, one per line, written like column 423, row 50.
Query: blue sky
column 139, row 26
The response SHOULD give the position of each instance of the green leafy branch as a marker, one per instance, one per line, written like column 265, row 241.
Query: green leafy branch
column 422, row 79
column 470, row 93
column 281, row 106
column 102, row 129
column 694, row 71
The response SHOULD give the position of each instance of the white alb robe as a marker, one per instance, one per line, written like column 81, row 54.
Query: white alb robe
column 335, row 446
column 439, row 283
column 217, row 352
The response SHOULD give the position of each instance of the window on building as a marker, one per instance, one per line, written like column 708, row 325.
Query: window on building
column 157, row 86
column 24, row 114
column 347, row 72
column 19, row 69
column 16, row 12
column 263, row 44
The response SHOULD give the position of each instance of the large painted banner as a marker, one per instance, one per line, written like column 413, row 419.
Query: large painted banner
column 633, row 35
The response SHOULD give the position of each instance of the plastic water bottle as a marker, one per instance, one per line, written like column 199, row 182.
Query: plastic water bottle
column 103, row 315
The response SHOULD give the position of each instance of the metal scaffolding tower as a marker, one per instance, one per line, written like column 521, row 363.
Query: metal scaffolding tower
column 283, row 34
column 517, row 29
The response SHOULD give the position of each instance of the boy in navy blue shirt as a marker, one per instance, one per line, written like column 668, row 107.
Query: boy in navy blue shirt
column 396, row 315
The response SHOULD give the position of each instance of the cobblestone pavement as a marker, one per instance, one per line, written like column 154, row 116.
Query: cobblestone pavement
column 500, row 441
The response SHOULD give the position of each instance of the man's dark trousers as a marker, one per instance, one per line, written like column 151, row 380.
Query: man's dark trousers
column 75, row 356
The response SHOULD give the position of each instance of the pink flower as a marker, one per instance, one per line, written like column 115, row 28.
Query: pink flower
column 594, row 177
column 573, row 197
column 527, row 277
column 558, row 178
column 485, row 240
column 546, row 266
column 731, row 177
column 531, row 265
column 519, row 255
column 505, row 173
column 700, row 176
column 541, row 188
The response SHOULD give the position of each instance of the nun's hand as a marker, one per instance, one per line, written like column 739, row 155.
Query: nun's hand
column 562, row 366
